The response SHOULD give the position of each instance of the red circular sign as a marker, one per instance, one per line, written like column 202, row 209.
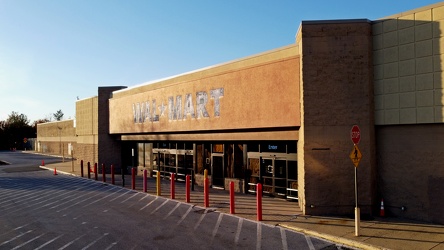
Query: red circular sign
column 355, row 134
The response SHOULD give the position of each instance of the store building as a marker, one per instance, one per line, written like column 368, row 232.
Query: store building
column 283, row 118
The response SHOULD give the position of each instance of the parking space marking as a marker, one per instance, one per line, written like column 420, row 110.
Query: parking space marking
column 259, row 236
column 216, row 227
column 129, row 191
column 16, row 237
column 94, row 242
column 310, row 244
column 71, row 242
column 172, row 210
column 200, row 219
column 149, row 203
column 111, row 246
column 29, row 241
column 130, row 197
column 95, row 201
column 284, row 239
column 15, row 229
column 90, row 197
column 238, row 231
column 161, row 205
column 185, row 215
column 48, row 242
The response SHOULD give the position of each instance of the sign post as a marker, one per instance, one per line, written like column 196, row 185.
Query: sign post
column 356, row 156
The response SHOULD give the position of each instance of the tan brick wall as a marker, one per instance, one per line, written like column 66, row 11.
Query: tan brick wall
column 87, row 129
column 336, row 93
column 109, row 149
column 87, row 116
column 408, row 50
column 87, row 153
column 54, row 137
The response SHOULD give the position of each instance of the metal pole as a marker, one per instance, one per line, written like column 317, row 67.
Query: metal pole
column 356, row 187
column 132, row 158
column 72, row 160
column 357, row 210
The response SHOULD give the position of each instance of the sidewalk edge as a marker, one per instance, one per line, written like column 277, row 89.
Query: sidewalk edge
column 58, row 172
column 332, row 238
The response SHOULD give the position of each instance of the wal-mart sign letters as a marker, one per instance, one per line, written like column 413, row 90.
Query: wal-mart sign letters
column 150, row 111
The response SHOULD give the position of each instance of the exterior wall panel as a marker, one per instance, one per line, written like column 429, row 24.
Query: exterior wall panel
column 263, row 94
column 336, row 93
column 409, row 161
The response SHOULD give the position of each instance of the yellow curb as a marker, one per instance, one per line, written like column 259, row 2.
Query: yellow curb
column 336, row 239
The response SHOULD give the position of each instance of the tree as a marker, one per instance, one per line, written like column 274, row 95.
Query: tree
column 44, row 120
column 17, row 120
column 14, row 130
column 58, row 116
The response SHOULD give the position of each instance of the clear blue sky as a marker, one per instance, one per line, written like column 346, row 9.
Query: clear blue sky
column 52, row 52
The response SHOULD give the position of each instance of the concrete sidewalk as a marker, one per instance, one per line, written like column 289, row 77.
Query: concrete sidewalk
column 380, row 233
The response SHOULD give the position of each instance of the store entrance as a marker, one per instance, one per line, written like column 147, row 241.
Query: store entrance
column 217, row 170
column 276, row 172
column 173, row 158
column 274, row 175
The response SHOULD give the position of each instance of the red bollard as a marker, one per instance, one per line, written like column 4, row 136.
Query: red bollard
column 81, row 168
column 172, row 187
column 231, row 197
column 206, row 195
column 187, row 188
column 112, row 174
column 43, row 162
column 95, row 172
column 259, row 201
column 103, row 173
column 145, row 183
column 133, row 178
column 89, row 170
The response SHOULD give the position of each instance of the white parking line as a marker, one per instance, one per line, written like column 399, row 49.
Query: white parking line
column 310, row 244
column 94, row 242
column 157, row 208
column 238, row 231
column 25, row 243
column 14, row 238
column 111, row 246
column 71, row 242
column 259, row 236
column 49, row 242
column 200, row 219
column 284, row 239
column 216, row 227
column 15, row 229
column 172, row 210
column 148, row 203
column 129, row 191
column 185, row 215
column 95, row 201
column 129, row 197
column 145, row 196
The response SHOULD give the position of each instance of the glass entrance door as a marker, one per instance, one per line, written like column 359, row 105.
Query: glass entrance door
column 277, row 173
column 274, row 176
column 217, row 170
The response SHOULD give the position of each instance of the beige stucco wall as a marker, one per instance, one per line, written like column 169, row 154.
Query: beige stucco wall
column 261, row 91
column 408, row 67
